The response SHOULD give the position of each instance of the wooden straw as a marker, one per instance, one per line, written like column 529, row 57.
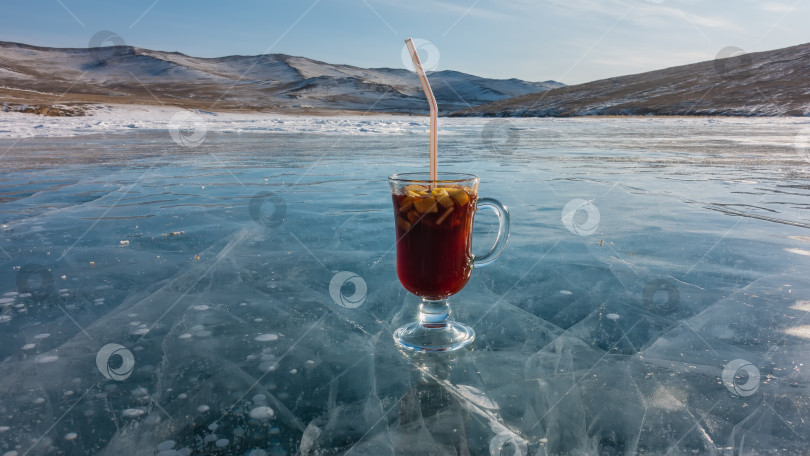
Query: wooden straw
column 434, row 109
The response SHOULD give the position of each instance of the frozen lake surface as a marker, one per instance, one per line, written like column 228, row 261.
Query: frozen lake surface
column 163, row 299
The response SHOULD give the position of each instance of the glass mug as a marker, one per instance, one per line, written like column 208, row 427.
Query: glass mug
column 434, row 225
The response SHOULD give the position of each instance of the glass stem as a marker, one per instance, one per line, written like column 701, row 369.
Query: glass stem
column 434, row 314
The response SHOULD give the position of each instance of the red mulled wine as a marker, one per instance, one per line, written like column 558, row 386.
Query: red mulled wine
column 434, row 238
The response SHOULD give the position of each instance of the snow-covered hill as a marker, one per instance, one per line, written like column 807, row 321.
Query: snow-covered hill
column 770, row 83
column 273, row 81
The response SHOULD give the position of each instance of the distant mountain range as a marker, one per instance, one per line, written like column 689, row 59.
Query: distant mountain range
column 770, row 83
column 277, row 82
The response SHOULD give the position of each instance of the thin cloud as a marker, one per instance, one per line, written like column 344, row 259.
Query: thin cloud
column 642, row 13
column 433, row 8
column 772, row 7
column 696, row 19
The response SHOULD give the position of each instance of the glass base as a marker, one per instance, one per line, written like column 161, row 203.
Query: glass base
column 446, row 337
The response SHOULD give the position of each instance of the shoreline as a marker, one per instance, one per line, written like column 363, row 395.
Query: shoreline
column 112, row 119
column 63, row 109
column 12, row 99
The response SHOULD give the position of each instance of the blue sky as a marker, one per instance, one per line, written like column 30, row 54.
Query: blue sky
column 571, row 41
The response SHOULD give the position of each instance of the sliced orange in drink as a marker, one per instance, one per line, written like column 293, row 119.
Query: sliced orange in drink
column 425, row 205
column 407, row 204
column 459, row 195
column 404, row 224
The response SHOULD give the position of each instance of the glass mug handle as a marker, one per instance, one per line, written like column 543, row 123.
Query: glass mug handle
column 503, row 231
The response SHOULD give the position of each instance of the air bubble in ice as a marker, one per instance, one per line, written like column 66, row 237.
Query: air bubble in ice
column 71, row 436
column 140, row 391
column 46, row 359
column 222, row 443
column 213, row 427
column 266, row 337
column 167, row 445
column 184, row 336
column 132, row 412
column 202, row 334
column 262, row 413
column 28, row 346
column 4, row 428
column 612, row 316
column 39, row 400
column 203, row 408
column 566, row 292
column 201, row 307
column 210, row 438
column 42, row 336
